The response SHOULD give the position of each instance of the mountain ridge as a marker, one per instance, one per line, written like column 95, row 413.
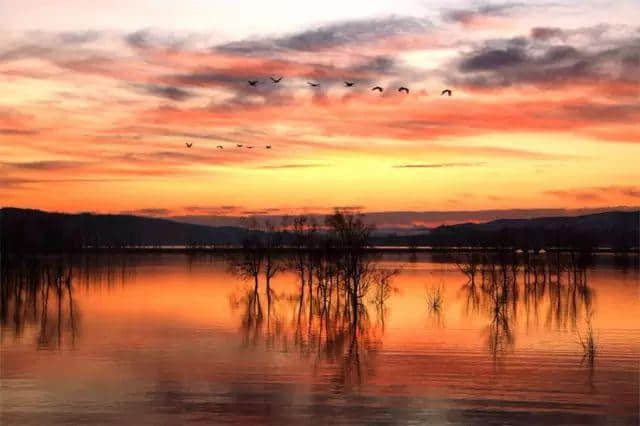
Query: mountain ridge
column 34, row 230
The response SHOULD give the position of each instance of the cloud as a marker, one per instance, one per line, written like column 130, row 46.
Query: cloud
column 437, row 165
column 546, row 33
column 262, row 212
column 630, row 192
column 212, row 77
column 44, row 165
column 377, row 65
column 18, row 132
column 349, row 208
column 147, row 38
column 51, row 46
column 475, row 16
column 212, row 210
column 490, row 59
column 604, row 112
column 138, row 39
column 167, row 92
column 292, row 166
column 331, row 36
column 596, row 193
column 10, row 182
column 577, row 195
column 516, row 61
column 147, row 212
column 79, row 37
column 24, row 51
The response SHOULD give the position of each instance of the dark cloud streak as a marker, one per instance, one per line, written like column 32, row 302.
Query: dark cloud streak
column 437, row 165
column 515, row 61
column 292, row 166
column 167, row 92
column 331, row 36
column 44, row 165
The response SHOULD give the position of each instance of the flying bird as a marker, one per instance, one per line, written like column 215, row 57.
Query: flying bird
column 268, row 146
column 349, row 83
column 239, row 145
column 220, row 147
column 252, row 82
column 313, row 84
column 249, row 147
column 403, row 89
column 189, row 145
column 446, row 92
column 378, row 88
column 275, row 80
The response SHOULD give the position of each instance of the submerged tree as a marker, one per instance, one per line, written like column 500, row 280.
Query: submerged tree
column 351, row 236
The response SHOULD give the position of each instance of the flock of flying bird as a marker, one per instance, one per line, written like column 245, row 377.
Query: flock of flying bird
column 254, row 83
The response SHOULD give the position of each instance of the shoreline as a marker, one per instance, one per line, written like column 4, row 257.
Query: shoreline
column 374, row 249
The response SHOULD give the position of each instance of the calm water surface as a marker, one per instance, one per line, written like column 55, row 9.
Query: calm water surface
column 173, row 339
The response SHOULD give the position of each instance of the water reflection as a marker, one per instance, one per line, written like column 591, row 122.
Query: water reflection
column 323, row 331
column 502, row 284
column 41, row 292
column 330, row 309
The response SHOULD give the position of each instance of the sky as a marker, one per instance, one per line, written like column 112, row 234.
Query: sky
column 100, row 97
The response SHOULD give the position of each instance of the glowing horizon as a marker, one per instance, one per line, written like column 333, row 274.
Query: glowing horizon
column 96, row 113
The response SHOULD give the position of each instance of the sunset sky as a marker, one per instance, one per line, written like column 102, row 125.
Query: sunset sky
column 100, row 96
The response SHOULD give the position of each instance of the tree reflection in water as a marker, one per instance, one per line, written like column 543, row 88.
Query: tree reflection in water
column 336, row 317
column 500, row 283
column 40, row 291
column 330, row 320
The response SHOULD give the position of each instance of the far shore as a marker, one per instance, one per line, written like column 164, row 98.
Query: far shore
column 371, row 249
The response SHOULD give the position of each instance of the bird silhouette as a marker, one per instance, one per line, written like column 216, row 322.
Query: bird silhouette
column 252, row 82
column 249, row 147
column 378, row 88
column 275, row 80
column 268, row 146
column 313, row 84
column 349, row 83
column 446, row 92
column 189, row 145
column 220, row 147
column 403, row 89
column 239, row 145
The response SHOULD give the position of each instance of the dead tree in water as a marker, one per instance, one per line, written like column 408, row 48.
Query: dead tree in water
column 469, row 265
column 251, row 263
column 304, row 232
column 382, row 289
column 272, row 242
column 351, row 237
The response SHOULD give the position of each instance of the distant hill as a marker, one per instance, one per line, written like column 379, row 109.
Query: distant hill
column 36, row 230
column 598, row 221
column 616, row 230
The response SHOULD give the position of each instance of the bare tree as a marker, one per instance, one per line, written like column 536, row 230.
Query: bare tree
column 351, row 235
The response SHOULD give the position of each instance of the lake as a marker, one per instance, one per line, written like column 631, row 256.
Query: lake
column 155, row 339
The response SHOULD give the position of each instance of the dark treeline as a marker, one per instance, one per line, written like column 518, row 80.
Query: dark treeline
column 37, row 231
column 618, row 231
column 34, row 230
